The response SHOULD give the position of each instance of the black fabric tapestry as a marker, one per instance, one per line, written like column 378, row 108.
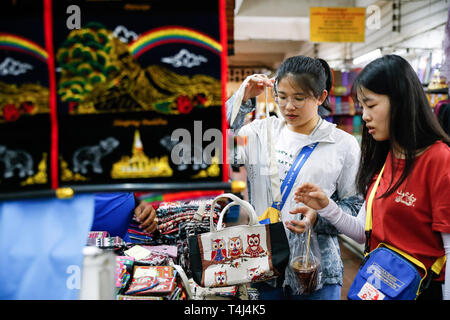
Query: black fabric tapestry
column 126, row 80
column 135, row 95
column 24, row 98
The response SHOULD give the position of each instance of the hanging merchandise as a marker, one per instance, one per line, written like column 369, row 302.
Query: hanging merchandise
column 173, row 214
column 25, row 105
column 130, row 77
column 95, row 103
column 239, row 254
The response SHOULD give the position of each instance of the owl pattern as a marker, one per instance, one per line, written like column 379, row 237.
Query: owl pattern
column 254, row 274
column 218, row 250
column 220, row 279
column 254, row 248
column 235, row 248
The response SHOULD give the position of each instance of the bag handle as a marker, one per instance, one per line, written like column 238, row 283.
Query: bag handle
column 184, row 280
column 253, row 219
column 273, row 167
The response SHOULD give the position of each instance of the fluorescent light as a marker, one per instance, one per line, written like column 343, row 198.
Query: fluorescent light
column 372, row 55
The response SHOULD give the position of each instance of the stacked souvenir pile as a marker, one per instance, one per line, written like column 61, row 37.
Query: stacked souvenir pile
column 171, row 214
column 144, row 265
column 102, row 240
column 146, row 273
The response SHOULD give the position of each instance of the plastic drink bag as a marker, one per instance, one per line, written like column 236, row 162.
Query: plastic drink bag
column 303, row 274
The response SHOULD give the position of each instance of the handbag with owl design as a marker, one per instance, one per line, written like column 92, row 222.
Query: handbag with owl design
column 240, row 254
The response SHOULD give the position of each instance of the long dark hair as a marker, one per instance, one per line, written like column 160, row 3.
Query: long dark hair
column 413, row 126
column 312, row 75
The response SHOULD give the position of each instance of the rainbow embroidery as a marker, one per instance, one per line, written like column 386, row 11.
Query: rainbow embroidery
column 173, row 34
column 16, row 43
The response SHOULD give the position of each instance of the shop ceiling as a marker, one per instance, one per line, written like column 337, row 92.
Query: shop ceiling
column 267, row 31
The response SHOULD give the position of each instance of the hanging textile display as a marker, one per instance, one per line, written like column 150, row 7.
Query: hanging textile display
column 134, row 95
column 132, row 78
column 24, row 97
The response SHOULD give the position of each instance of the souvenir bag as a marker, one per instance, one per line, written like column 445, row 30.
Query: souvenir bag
column 239, row 254
column 388, row 273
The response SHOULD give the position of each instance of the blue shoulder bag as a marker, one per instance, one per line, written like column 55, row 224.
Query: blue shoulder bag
column 388, row 273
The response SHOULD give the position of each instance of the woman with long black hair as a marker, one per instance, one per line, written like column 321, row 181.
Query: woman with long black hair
column 411, row 208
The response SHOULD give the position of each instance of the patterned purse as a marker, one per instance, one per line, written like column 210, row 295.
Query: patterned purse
column 239, row 254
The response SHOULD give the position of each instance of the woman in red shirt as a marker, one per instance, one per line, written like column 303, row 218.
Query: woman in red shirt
column 411, row 208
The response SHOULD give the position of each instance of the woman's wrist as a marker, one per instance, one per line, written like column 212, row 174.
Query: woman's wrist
column 330, row 212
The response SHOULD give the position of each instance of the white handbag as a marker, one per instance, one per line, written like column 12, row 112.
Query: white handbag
column 238, row 254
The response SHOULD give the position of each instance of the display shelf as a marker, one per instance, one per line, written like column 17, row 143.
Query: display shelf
column 437, row 91
column 69, row 191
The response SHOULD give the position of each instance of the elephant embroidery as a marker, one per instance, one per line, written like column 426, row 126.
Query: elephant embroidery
column 91, row 156
column 16, row 160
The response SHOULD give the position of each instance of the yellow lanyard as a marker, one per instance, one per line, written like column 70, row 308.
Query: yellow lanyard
column 370, row 201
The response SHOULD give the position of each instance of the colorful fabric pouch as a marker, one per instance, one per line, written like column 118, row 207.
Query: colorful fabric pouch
column 142, row 285
column 124, row 267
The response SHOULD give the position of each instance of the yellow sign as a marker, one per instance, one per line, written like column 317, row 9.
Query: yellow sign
column 337, row 24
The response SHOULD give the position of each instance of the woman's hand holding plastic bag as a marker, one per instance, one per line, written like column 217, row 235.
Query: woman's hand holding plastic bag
column 303, row 275
column 300, row 226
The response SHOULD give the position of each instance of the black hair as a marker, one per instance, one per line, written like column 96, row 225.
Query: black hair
column 311, row 75
column 413, row 126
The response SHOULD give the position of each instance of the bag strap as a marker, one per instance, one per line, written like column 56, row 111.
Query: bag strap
column 369, row 208
column 184, row 280
column 292, row 174
column 437, row 265
column 273, row 167
column 253, row 219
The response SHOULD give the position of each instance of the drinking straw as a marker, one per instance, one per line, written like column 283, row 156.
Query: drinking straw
column 307, row 248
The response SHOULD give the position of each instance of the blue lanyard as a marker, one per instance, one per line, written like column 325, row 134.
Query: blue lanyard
column 292, row 174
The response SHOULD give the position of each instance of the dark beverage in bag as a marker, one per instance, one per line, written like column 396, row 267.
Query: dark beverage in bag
column 307, row 273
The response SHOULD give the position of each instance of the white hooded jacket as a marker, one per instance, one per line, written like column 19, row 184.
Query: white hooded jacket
column 332, row 165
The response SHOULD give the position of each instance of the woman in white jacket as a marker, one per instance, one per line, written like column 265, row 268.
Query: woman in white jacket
column 301, row 85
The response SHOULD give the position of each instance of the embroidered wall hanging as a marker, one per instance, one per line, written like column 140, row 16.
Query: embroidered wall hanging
column 120, row 84
column 24, row 98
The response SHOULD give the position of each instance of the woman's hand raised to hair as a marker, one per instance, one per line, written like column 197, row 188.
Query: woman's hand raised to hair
column 255, row 86
column 311, row 195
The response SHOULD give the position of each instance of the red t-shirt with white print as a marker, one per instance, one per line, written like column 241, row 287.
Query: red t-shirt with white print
column 412, row 218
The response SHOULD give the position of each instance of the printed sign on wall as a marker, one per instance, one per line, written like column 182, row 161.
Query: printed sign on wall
column 337, row 24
